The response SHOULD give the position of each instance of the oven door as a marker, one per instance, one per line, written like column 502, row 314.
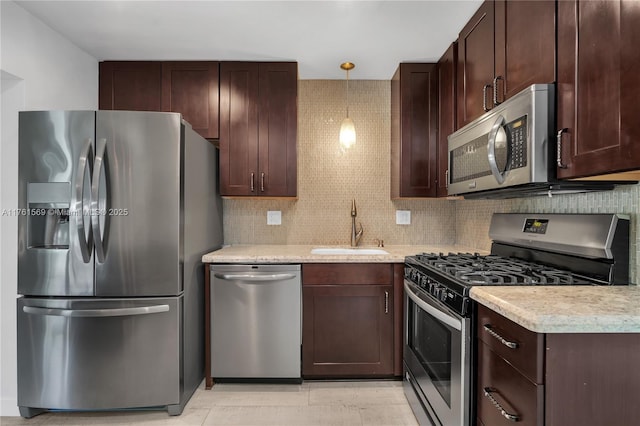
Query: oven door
column 437, row 356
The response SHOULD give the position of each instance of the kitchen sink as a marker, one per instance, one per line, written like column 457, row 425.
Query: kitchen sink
column 341, row 250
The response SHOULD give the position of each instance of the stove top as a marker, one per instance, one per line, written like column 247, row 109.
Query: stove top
column 528, row 249
column 448, row 278
column 474, row 269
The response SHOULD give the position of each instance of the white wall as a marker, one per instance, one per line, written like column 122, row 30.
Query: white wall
column 41, row 70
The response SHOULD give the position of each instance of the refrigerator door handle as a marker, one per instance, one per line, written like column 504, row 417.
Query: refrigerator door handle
column 85, row 242
column 116, row 312
column 98, row 209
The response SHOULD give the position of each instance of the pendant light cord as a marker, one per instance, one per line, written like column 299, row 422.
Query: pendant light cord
column 347, row 93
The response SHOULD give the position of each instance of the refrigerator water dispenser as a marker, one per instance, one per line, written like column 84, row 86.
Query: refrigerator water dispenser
column 48, row 215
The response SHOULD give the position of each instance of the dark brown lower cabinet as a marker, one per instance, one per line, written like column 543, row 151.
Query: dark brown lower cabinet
column 592, row 379
column 500, row 382
column 348, row 320
column 579, row 379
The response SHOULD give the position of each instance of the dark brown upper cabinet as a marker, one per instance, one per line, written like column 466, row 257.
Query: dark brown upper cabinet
column 192, row 88
column 446, row 112
column 130, row 85
column 505, row 47
column 475, row 64
column 598, row 88
column 258, row 128
column 414, row 115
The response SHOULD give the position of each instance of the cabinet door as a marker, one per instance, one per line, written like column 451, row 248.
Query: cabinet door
column 130, row 86
column 592, row 379
column 598, row 86
column 414, row 134
column 277, row 135
column 475, row 65
column 192, row 88
column 446, row 113
column 239, row 128
column 525, row 45
column 347, row 331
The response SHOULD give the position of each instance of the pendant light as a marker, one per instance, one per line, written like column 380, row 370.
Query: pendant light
column 347, row 129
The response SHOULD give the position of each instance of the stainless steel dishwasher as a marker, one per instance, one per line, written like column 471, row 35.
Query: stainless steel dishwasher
column 256, row 322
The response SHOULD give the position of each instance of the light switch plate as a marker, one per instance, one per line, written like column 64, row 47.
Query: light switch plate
column 403, row 217
column 274, row 217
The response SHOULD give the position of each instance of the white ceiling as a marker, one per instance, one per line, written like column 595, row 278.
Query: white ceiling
column 319, row 35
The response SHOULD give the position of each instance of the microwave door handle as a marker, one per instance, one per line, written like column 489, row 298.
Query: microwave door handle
column 84, row 242
column 96, row 206
column 491, row 148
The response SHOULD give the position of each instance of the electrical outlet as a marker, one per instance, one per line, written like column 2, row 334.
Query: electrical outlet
column 403, row 217
column 274, row 217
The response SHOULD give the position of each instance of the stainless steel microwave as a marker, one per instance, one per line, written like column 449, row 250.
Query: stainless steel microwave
column 509, row 146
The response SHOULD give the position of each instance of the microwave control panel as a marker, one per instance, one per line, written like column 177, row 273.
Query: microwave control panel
column 517, row 136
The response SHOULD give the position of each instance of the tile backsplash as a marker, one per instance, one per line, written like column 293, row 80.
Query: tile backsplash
column 328, row 178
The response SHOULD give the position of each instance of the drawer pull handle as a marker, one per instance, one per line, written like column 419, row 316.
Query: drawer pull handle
column 488, row 393
column 507, row 343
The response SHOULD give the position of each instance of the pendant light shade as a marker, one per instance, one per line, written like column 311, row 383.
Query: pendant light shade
column 347, row 129
column 347, row 133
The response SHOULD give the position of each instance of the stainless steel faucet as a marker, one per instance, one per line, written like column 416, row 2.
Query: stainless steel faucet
column 355, row 235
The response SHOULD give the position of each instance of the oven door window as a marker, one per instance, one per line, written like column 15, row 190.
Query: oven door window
column 431, row 342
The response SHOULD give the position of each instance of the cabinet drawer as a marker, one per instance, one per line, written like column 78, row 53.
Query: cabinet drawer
column 509, row 389
column 347, row 273
column 520, row 347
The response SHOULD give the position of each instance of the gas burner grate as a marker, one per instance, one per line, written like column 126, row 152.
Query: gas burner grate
column 476, row 269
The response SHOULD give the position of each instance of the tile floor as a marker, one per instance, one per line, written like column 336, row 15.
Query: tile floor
column 311, row 403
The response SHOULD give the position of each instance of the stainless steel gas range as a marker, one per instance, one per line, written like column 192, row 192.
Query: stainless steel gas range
column 527, row 249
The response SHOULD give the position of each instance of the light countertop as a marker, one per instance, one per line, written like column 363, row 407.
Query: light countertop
column 302, row 254
column 542, row 309
column 566, row 309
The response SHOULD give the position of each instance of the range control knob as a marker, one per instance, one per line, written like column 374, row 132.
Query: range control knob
column 435, row 290
column 443, row 295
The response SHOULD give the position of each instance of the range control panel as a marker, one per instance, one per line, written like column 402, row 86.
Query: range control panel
column 536, row 226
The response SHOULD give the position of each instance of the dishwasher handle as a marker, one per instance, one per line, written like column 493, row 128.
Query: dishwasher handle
column 254, row 277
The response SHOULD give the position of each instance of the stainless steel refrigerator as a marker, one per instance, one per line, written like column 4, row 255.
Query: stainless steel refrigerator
column 116, row 209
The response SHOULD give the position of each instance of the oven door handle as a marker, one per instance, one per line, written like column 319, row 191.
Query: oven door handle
column 432, row 310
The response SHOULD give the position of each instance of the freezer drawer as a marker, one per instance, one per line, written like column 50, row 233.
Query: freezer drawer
column 83, row 354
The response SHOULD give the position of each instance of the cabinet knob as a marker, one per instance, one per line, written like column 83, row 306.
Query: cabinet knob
column 251, row 184
column 262, row 182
